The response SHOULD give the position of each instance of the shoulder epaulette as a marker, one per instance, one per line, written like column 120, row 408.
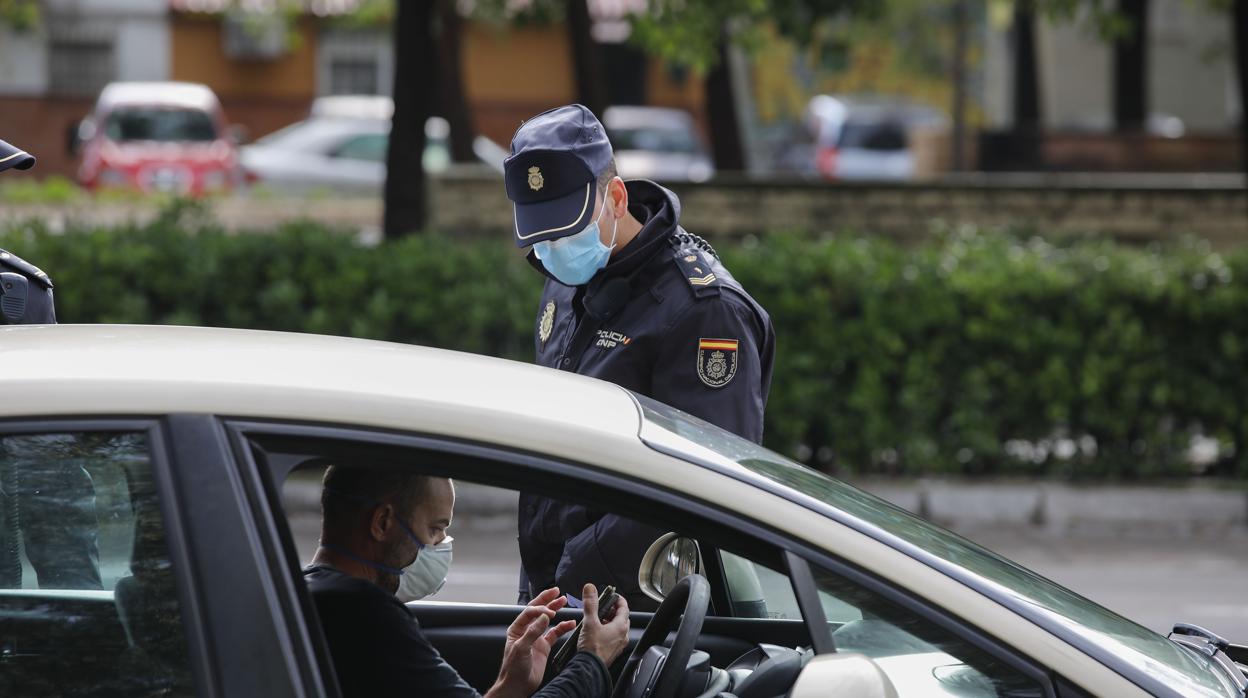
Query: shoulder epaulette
column 697, row 259
column 13, row 261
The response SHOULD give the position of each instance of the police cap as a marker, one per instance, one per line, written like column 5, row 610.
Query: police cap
column 555, row 161
column 14, row 157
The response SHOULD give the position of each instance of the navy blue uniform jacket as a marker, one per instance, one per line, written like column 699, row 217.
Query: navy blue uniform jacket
column 25, row 293
column 666, row 320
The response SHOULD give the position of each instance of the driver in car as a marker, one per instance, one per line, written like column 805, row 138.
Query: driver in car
column 375, row 523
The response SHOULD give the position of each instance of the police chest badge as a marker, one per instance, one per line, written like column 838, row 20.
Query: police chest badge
column 547, row 323
column 717, row 361
column 536, row 180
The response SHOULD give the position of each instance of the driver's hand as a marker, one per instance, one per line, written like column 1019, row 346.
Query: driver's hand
column 529, row 640
column 607, row 640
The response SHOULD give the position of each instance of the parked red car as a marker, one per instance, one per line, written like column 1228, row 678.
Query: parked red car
column 158, row 137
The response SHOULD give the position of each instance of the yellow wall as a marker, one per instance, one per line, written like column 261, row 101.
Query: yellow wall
column 510, row 74
column 198, row 57
column 523, row 65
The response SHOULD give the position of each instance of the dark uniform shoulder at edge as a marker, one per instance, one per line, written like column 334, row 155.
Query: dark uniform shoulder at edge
column 12, row 261
column 698, row 263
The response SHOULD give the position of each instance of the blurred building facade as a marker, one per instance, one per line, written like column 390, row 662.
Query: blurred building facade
column 267, row 67
column 1192, row 104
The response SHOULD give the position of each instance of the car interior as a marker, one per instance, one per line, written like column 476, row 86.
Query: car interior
column 675, row 650
column 728, row 621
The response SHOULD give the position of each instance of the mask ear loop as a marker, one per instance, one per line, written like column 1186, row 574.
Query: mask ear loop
column 615, row 222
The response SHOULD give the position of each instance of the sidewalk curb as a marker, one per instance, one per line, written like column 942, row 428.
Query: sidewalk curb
column 1061, row 509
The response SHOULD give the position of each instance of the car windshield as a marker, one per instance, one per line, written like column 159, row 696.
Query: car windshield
column 676, row 433
column 663, row 140
column 319, row 135
column 159, row 124
column 886, row 136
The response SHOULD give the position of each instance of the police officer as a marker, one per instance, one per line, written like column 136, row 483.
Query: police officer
column 632, row 298
column 46, row 497
column 25, row 291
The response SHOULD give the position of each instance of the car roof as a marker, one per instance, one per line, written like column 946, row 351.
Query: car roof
column 353, row 107
column 646, row 117
column 148, row 370
column 185, row 95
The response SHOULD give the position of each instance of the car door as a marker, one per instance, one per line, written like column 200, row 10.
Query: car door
column 129, row 565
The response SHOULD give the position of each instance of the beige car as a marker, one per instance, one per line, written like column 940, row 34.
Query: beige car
column 776, row 580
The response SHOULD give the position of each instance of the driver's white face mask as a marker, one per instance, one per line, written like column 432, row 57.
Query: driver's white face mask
column 427, row 574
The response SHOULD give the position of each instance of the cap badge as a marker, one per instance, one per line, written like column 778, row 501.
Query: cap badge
column 536, row 181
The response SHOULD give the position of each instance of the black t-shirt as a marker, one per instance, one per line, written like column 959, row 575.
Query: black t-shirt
column 379, row 650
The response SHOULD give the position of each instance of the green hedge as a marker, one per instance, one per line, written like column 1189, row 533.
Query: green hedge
column 974, row 353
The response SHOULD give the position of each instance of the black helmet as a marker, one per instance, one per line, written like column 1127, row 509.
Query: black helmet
column 11, row 156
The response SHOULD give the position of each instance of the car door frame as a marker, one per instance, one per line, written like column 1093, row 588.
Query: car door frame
column 483, row 463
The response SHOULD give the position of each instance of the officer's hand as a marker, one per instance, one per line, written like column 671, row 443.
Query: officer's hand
column 529, row 640
column 607, row 640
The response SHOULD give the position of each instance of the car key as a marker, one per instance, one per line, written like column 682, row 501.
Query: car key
column 607, row 601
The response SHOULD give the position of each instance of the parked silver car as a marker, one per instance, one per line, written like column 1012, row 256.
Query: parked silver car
column 867, row 138
column 341, row 146
column 657, row 143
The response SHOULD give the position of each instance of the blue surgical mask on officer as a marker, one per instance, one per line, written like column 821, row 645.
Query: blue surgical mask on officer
column 575, row 259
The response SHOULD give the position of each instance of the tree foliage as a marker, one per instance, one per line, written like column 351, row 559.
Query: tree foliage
column 20, row 15
column 689, row 32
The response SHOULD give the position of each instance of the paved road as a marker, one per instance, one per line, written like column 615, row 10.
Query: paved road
column 1154, row 583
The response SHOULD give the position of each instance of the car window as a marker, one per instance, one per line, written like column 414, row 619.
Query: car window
column 886, row 136
column 88, row 603
column 370, row 147
column 155, row 124
column 919, row 658
column 660, row 140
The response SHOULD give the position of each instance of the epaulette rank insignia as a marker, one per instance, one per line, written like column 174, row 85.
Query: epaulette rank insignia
column 697, row 271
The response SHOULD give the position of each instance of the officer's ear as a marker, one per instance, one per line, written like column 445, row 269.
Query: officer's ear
column 617, row 194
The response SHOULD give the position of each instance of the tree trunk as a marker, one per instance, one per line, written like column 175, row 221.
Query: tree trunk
column 726, row 146
column 1239, row 16
column 587, row 61
column 1131, row 69
column 414, row 85
column 452, row 105
column 1026, row 73
column 958, row 140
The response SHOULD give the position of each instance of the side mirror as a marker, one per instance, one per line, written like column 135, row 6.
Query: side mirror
column 842, row 674
column 668, row 560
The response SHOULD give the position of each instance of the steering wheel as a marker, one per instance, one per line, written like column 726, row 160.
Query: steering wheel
column 655, row 671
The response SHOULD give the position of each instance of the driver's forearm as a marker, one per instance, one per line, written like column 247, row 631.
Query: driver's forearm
column 585, row 676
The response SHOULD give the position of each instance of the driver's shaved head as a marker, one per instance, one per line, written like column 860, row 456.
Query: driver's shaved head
column 348, row 492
